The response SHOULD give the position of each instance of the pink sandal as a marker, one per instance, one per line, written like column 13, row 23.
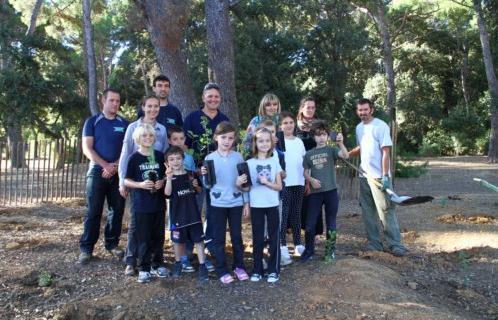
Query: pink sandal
column 226, row 279
column 241, row 274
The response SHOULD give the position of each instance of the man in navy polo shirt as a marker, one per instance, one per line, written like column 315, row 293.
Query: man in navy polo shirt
column 208, row 117
column 168, row 113
column 103, row 136
column 208, row 114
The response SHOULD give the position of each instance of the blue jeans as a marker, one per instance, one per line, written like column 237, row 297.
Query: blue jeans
column 98, row 189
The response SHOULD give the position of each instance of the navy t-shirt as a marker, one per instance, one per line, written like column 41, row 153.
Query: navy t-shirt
column 107, row 135
column 183, row 204
column 193, row 125
column 139, row 169
column 168, row 115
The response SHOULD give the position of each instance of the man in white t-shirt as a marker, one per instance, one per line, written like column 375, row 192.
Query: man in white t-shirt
column 374, row 145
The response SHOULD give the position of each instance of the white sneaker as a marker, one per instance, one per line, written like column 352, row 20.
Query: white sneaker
column 298, row 250
column 285, row 258
column 144, row 276
column 272, row 278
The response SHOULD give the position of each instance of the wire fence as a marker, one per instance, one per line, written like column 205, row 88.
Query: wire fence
column 49, row 170
column 41, row 170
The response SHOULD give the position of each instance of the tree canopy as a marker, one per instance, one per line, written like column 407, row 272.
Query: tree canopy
column 329, row 49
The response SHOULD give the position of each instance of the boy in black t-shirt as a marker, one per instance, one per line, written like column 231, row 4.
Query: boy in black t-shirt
column 145, row 178
column 185, row 217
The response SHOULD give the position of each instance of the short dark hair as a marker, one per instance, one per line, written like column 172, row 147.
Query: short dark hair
column 365, row 101
column 174, row 150
column 174, row 129
column 106, row 92
column 319, row 126
column 211, row 85
column 160, row 77
column 285, row 114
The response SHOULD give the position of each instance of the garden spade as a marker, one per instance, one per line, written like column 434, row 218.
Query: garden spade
column 399, row 200
column 486, row 184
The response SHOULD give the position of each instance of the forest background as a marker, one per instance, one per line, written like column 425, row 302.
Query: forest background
column 428, row 65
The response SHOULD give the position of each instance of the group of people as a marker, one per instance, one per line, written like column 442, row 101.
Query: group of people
column 283, row 177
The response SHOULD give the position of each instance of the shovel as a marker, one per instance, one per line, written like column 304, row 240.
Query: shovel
column 399, row 200
column 486, row 184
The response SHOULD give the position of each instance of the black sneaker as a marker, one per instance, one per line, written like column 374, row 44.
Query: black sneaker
column 203, row 273
column 177, row 269
column 306, row 256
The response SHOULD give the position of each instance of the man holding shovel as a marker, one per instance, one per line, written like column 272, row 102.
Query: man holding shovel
column 373, row 145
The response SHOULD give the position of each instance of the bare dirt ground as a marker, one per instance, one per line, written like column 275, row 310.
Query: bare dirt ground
column 450, row 273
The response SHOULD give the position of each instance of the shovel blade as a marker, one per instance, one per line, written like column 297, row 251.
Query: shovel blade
column 408, row 201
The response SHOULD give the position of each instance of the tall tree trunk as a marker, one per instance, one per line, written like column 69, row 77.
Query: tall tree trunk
column 464, row 76
column 387, row 55
column 15, row 140
column 34, row 17
column 166, row 21
column 90, row 58
column 492, row 82
column 221, row 63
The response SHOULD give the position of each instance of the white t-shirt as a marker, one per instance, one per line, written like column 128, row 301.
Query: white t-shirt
column 294, row 153
column 371, row 138
column 260, row 196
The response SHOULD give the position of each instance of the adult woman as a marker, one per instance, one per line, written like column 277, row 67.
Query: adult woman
column 305, row 118
column 150, row 108
column 269, row 108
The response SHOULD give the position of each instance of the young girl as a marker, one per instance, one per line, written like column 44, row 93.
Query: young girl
column 265, row 172
column 319, row 170
column 269, row 109
column 228, row 203
column 145, row 178
column 293, row 192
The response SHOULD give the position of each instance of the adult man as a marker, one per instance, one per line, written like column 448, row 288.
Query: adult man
column 374, row 144
column 168, row 113
column 202, row 123
column 199, row 127
column 102, row 141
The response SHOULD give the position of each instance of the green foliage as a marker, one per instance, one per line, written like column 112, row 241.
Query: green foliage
column 436, row 143
column 204, row 140
column 45, row 279
column 406, row 169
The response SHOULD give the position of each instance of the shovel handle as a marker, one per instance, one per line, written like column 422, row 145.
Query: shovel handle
column 360, row 170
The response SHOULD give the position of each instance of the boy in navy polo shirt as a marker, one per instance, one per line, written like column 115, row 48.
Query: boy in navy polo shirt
column 145, row 178
column 102, row 141
column 185, row 217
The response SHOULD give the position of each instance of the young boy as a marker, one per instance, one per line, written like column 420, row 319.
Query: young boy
column 185, row 217
column 319, row 170
column 176, row 137
column 145, row 178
